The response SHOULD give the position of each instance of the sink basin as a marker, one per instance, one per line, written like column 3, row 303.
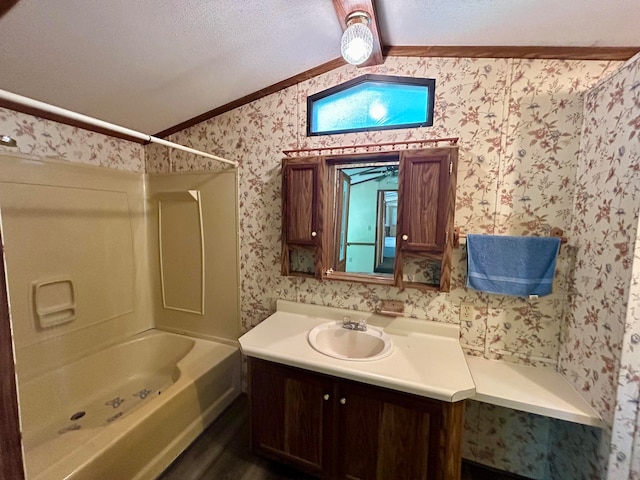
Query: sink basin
column 334, row 340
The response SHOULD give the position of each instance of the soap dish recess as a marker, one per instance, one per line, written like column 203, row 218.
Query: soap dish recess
column 54, row 302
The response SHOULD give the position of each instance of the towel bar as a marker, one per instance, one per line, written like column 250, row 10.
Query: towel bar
column 458, row 235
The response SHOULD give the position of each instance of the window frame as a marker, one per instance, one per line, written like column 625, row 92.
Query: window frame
column 428, row 83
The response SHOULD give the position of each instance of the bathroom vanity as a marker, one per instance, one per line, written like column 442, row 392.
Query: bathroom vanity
column 375, row 415
column 338, row 428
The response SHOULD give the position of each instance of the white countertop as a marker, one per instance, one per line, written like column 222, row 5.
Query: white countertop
column 535, row 390
column 427, row 359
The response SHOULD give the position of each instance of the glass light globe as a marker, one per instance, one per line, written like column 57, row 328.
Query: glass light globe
column 356, row 44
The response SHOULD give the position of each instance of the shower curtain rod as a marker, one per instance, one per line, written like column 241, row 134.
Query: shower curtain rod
column 31, row 103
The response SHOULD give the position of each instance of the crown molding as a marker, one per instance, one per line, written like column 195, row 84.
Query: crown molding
column 533, row 52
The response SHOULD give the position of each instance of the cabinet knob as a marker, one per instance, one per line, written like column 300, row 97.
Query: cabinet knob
column 326, row 396
column 405, row 237
column 313, row 234
column 343, row 401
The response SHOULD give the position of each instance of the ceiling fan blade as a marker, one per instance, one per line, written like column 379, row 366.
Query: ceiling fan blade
column 369, row 171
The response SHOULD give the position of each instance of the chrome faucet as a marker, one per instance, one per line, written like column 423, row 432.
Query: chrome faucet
column 359, row 325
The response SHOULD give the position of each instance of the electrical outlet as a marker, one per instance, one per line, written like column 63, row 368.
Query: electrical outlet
column 466, row 312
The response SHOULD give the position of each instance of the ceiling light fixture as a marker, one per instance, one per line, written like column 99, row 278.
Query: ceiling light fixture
column 357, row 40
column 7, row 141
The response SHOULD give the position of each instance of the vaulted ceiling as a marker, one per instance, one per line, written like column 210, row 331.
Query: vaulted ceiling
column 152, row 64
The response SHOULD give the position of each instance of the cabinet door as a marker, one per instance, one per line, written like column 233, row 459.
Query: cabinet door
column 291, row 415
column 342, row 195
column 392, row 436
column 426, row 211
column 302, row 198
column 424, row 192
column 303, row 232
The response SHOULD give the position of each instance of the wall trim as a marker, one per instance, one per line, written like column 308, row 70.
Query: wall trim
column 541, row 52
column 558, row 53
column 66, row 121
column 10, row 446
column 252, row 97
column 532, row 52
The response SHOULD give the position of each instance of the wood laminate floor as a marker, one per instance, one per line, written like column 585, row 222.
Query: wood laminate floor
column 221, row 452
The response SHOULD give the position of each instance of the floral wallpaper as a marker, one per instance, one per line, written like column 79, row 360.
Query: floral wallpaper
column 526, row 164
column 519, row 123
column 577, row 452
column 506, row 439
column 600, row 351
column 44, row 138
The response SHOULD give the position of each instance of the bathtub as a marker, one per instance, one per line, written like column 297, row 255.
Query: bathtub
column 128, row 411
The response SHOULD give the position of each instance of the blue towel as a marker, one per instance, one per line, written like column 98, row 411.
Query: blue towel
column 519, row 266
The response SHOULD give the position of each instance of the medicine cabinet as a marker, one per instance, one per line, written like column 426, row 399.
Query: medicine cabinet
column 383, row 218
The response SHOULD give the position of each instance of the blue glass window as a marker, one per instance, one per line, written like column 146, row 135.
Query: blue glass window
column 372, row 102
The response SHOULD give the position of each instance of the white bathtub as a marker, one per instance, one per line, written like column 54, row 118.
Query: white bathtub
column 128, row 411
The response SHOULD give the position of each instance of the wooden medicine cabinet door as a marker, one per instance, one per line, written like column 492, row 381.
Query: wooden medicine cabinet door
column 424, row 193
column 426, row 210
column 302, row 219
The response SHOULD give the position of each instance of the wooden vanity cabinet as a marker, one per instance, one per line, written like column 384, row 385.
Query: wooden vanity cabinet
column 341, row 429
column 391, row 435
column 291, row 413
column 302, row 216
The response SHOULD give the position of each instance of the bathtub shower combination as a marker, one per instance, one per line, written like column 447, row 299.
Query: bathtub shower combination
column 123, row 357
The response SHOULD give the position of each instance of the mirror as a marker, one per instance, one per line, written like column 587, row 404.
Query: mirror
column 366, row 213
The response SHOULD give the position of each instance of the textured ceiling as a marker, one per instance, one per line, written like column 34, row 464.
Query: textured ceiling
column 151, row 64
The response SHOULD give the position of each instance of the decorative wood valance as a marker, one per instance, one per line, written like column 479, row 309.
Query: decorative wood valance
column 370, row 148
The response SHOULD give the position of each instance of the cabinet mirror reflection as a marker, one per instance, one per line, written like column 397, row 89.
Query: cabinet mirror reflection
column 367, row 207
